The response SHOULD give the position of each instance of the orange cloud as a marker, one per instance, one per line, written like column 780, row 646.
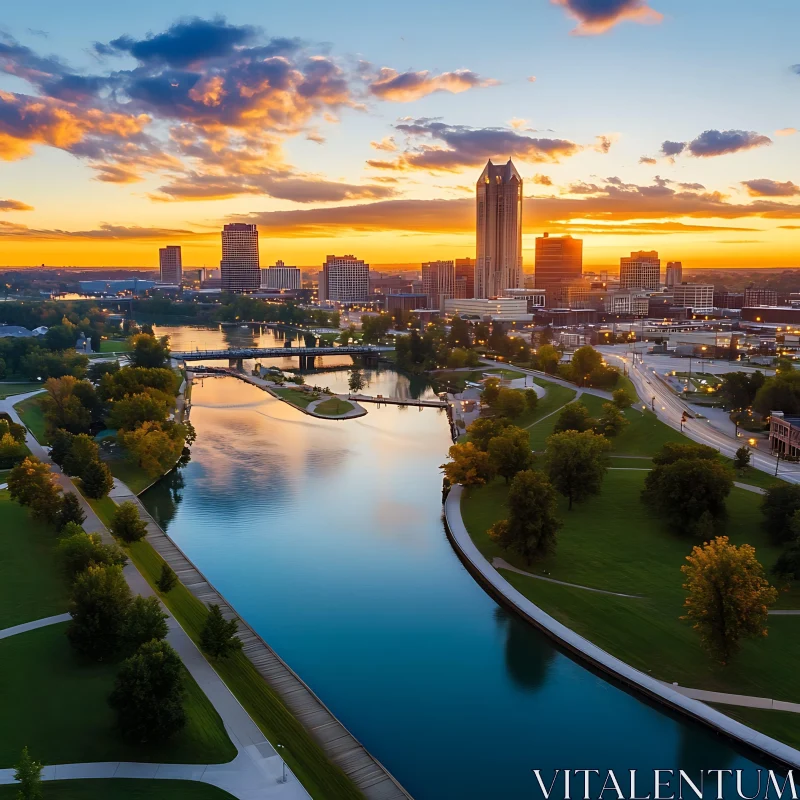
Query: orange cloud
column 598, row 16
column 403, row 87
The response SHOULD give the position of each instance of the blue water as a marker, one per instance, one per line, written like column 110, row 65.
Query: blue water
column 327, row 537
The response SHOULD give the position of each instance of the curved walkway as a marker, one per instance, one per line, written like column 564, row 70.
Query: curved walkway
column 499, row 587
column 499, row 563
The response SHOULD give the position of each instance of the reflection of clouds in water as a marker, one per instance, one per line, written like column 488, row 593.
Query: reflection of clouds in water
column 400, row 522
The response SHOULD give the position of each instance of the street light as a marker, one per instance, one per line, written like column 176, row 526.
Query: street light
column 284, row 777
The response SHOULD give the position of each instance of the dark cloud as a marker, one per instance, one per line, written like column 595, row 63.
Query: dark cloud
column 458, row 146
column 598, row 16
column 672, row 149
column 764, row 187
column 14, row 205
column 389, row 84
column 184, row 43
column 104, row 232
column 718, row 143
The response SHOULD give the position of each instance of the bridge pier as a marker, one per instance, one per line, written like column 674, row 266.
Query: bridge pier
column 307, row 362
column 236, row 363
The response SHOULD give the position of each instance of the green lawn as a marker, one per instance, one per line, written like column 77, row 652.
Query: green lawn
column 613, row 542
column 322, row 779
column 334, row 407
column 114, row 346
column 57, row 705
column 32, row 415
column 132, row 475
column 295, row 397
column 782, row 725
column 31, row 583
column 627, row 384
column 9, row 389
column 122, row 789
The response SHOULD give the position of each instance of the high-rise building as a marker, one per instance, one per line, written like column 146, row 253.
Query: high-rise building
column 559, row 260
column 170, row 265
column 438, row 282
column 280, row 276
column 239, row 266
column 344, row 279
column 465, row 278
column 498, row 230
column 673, row 274
column 760, row 297
column 641, row 271
column 699, row 297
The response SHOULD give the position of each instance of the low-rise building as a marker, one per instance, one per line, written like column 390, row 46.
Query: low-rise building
column 496, row 309
column 784, row 434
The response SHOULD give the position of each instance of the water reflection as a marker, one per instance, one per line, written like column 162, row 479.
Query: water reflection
column 327, row 537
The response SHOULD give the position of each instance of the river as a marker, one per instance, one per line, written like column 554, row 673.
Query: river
column 327, row 537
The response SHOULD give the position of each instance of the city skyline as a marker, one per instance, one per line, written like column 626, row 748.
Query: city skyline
column 340, row 137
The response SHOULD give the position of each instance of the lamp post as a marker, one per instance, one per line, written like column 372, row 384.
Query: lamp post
column 653, row 404
column 284, row 776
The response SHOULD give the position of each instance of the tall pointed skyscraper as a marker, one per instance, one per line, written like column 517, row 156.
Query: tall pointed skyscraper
column 499, row 230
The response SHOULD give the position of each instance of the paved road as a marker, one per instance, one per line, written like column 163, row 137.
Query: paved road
column 669, row 409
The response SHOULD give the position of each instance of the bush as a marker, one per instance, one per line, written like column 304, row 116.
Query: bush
column 167, row 579
column 127, row 525
column 145, row 622
column 574, row 417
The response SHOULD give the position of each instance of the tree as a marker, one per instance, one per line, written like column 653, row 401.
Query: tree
column 788, row 564
column 677, row 451
column 62, row 408
column 97, row 480
column 70, row 510
column 510, row 452
column 532, row 524
column 11, row 451
column 145, row 621
column 133, row 410
column 576, row 463
column 469, row 465
column 491, row 390
column 585, row 360
column 509, row 403
column 78, row 550
column 728, row 596
column 738, row 389
column 167, row 580
column 742, row 458
column 612, row 422
column 574, row 417
column 154, row 446
column 779, row 505
column 127, row 525
column 621, row 399
column 549, row 358
column 28, row 774
column 459, row 335
column 347, row 335
column 531, row 399
column 149, row 694
column 356, row 380
column 31, row 483
column 83, row 450
column 61, row 442
column 218, row 637
column 683, row 490
column 485, row 428
column 99, row 605
column 148, row 351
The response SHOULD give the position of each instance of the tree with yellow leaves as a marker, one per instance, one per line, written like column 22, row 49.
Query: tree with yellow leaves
column 729, row 596
column 469, row 466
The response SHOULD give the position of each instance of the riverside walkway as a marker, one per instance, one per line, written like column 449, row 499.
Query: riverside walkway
column 667, row 694
column 341, row 747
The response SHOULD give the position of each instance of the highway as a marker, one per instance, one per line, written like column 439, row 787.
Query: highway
column 669, row 408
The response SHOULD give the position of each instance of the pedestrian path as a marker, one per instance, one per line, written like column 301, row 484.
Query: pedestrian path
column 499, row 563
column 746, row 701
column 32, row 626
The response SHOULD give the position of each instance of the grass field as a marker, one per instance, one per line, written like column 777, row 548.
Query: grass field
column 132, row 475
column 295, row 397
column 114, row 346
column 322, row 779
column 122, row 789
column 783, row 725
column 10, row 389
column 32, row 415
column 57, row 705
column 334, row 407
column 613, row 542
column 31, row 583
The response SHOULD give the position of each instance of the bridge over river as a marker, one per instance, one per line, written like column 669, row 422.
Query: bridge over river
column 307, row 355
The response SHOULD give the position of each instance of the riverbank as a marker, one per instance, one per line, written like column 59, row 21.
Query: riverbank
column 508, row 595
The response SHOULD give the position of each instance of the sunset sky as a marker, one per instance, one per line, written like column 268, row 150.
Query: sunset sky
column 361, row 128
